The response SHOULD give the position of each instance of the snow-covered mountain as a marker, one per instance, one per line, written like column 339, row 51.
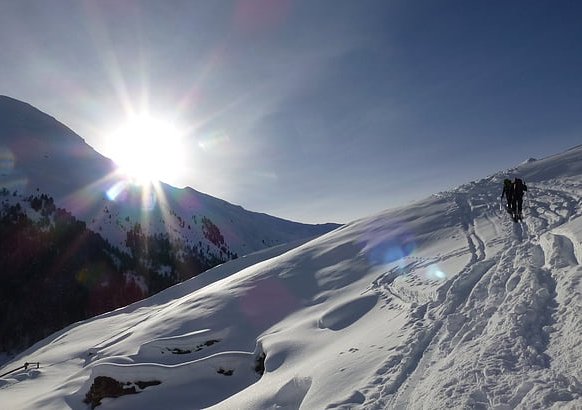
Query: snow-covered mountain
column 79, row 239
column 446, row 303
column 39, row 154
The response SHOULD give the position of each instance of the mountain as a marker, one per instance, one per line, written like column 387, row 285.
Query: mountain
column 78, row 239
column 445, row 303
column 39, row 154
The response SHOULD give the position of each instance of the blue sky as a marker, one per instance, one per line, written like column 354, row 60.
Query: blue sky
column 311, row 110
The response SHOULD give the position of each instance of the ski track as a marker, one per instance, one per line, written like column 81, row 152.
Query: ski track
column 474, row 304
column 421, row 344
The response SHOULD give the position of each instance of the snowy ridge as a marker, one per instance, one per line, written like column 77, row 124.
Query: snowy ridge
column 446, row 303
column 40, row 155
column 67, row 213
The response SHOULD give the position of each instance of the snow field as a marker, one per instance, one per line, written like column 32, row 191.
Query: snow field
column 446, row 303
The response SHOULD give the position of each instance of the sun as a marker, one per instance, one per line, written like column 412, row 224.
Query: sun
column 147, row 149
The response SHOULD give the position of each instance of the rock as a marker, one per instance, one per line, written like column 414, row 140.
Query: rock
column 104, row 386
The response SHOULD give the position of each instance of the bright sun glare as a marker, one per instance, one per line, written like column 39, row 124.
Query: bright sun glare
column 147, row 149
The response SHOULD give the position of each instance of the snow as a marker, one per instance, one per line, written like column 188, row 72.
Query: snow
column 40, row 155
column 446, row 303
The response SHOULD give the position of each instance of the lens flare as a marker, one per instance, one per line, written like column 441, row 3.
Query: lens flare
column 6, row 161
column 433, row 272
column 113, row 192
column 145, row 196
column 214, row 141
column 384, row 248
column 272, row 294
column 9, row 176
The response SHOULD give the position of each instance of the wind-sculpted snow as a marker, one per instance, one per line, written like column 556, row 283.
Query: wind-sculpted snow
column 443, row 304
column 344, row 315
column 80, row 238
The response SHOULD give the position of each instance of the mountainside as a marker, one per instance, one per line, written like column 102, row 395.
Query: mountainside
column 39, row 154
column 446, row 303
column 79, row 239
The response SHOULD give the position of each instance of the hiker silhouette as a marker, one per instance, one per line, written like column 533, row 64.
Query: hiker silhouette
column 508, row 194
column 519, row 188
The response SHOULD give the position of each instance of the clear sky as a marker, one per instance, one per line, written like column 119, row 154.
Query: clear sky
column 314, row 111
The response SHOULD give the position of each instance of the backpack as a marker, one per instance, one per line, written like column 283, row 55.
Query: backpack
column 519, row 187
column 507, row 189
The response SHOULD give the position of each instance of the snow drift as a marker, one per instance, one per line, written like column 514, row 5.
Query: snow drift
column 446, row 303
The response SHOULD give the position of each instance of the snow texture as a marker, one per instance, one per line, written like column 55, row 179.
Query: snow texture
column 446, row 303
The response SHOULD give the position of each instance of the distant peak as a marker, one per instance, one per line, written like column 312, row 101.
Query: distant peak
column 11, row 106
column 4, row 99
column 18, row 115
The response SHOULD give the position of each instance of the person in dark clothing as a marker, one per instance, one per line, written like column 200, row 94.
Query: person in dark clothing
column 519, row 188
column 508, row 194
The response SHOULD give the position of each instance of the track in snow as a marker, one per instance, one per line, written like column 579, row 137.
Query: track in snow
column 508, row 268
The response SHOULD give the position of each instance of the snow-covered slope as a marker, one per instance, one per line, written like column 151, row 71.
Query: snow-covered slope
column 75, row 232
column 40, row 155
column 446, row 303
